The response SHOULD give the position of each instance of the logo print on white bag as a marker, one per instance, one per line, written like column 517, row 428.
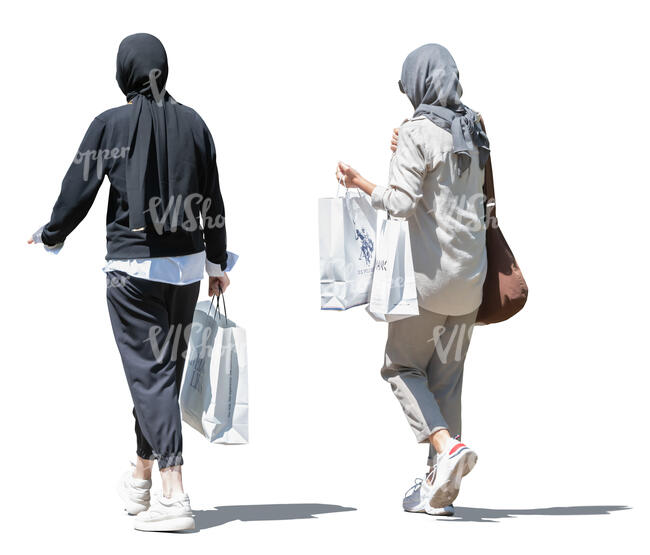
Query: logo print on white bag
column 196, row 380
column 197, row 364
column 381, row 266
column 367, row 245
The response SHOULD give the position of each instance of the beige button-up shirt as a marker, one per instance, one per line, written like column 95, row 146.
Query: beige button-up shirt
column 445, row 213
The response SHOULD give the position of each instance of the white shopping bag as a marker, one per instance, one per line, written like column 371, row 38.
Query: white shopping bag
column 394, row 295
column 214, row 396
column 347, row 228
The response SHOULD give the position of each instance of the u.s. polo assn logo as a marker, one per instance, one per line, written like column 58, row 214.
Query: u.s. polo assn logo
column 367, row 245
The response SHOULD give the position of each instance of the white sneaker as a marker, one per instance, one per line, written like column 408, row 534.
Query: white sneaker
column 441, row 511
column 455, row 462
column 166, row 514
column 134, row 492
column 417, row 499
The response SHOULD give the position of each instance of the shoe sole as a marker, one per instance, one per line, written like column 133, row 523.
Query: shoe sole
column 439, row 512
column 430, row 511
column 131, row 507
column 168, row 525
column 446, row 494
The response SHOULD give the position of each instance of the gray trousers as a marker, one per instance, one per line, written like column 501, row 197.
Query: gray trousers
column 424, row 361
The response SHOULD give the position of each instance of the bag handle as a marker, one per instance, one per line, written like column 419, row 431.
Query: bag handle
column 347, row 189
column 347, row 196
column 217, row 308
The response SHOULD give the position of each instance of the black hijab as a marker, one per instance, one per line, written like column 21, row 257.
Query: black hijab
column 158, row 138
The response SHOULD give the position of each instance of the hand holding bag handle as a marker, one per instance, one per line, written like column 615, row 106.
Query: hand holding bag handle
column 504, row 291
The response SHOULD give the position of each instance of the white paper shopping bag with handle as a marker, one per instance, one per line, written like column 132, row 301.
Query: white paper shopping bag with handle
column 393, row 296
column 214, row 395
column 347, row 228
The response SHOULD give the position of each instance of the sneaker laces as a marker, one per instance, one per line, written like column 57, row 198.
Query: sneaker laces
column 419, row 481
column 415, row 487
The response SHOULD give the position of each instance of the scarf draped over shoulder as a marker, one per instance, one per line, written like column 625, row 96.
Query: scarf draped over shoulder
column 430, row 81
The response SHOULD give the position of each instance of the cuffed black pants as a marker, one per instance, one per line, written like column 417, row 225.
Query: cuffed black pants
column 151, row 323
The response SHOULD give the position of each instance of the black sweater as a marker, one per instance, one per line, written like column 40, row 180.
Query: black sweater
column 103, row 152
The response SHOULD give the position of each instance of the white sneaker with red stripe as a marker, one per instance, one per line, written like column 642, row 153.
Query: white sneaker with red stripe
column 456, row 461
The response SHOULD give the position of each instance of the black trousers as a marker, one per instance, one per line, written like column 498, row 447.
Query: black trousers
column 151, row 324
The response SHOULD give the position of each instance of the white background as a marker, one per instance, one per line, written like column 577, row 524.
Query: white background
column 555, row 400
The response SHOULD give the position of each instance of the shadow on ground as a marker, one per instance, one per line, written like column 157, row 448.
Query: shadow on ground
column 477, row 514
column 246, row 513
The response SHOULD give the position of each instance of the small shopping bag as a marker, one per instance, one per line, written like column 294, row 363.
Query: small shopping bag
column 347, row 228
column 214, row 395
column 393, row 296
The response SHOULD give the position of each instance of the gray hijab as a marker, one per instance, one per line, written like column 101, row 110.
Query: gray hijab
column 430, row 80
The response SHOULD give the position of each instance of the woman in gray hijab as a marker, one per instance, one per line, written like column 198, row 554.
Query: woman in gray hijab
column 436, row 184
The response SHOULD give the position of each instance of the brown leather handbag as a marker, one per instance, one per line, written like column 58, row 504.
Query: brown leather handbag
column 505, row 291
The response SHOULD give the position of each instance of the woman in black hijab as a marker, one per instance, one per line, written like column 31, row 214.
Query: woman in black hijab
column 160, row 159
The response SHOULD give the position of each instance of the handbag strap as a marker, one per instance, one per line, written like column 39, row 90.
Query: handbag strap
column 488, row 191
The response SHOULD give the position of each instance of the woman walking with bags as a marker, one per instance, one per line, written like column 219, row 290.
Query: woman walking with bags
column 436, row 184
column 165, row 223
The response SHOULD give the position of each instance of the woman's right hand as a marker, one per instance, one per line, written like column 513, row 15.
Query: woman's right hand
column 346, row 175
column 393, row 142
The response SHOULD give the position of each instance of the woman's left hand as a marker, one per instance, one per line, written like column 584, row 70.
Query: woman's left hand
column 347, row 176
column 394, row 139
column 218, row 285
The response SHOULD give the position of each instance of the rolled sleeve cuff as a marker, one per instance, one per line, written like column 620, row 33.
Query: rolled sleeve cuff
column 377, row 197
column 37, row 236
column 212, row 269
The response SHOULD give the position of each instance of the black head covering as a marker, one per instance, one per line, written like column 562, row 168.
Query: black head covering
column 158, row 136
column 137, row 57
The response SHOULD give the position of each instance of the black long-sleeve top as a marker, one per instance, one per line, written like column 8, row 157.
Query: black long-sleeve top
column 103, row 153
